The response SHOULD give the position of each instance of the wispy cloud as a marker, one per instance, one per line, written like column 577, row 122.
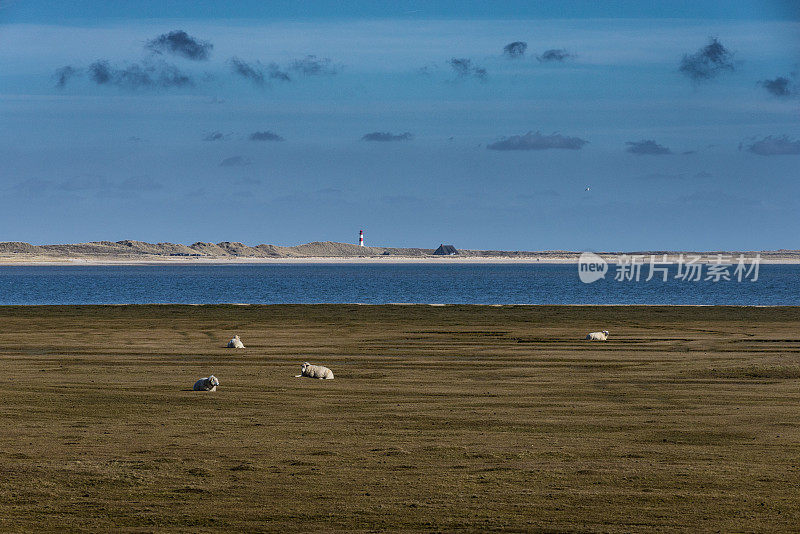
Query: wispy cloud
column 464, row 68
column 554, row 55
column 428, row 70
column 386, row 136
column 707, row 62
column 235, row 161
column 545, row 195
column 313, row 66
column 265, row 136
column 664, row 176
column 214, row 136
column 515, row 50
column 716, row 198
column 88, row 183
column 140, row 183
column 537, row 141
column 647, row 147
column 325, row 194
column 182, row 44
column 773, row 146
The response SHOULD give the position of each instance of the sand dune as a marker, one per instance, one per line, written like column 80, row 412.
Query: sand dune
column 129, row 251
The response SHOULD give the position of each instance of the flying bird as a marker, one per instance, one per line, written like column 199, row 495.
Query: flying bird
column 587, row 188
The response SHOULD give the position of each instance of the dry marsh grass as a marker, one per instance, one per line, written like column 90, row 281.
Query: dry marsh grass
column 440, row 418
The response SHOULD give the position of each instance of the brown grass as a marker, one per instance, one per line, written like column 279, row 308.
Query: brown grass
column 440, row 418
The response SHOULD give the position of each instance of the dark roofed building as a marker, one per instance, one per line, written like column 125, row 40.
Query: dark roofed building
column 445, row 250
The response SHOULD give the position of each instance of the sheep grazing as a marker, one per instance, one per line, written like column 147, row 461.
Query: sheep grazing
column 206, row 384
column 597, row 336
column 315, row 371
column 235, row 343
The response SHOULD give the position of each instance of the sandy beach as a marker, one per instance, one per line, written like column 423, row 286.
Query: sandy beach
column 440, row 418
column 317, row 260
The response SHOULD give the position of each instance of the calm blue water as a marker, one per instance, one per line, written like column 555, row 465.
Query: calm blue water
column 376, row 284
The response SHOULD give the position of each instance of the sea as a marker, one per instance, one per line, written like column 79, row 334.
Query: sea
column 424, row 283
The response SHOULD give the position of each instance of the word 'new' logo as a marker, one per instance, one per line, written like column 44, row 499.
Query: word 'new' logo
column 591, row 267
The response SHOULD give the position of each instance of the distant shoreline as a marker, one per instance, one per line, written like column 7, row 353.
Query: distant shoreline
column 465, row 260
column 227, row 253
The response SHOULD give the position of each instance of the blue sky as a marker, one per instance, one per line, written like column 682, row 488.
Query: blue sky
column 150, row 134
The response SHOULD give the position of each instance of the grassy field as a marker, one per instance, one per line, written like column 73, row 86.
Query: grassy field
column 440, row 418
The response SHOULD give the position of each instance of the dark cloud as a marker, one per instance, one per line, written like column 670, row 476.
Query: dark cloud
column 515, row 50
column 100, row 72
column 168, row 75
column 253, row 72
column 265, row 136
column 313, row 66
column 780, row 86
column 647, row 147
column 774, row 146
column 148, row 74
column 276, row 73
column 707, row 62
column 386, row 136
column 64, row 74
column 537, row 141
column 235, row 161
column 214, row 136
column 558, row 55
column 464, row 68
column 182, row 44
column 257, row 73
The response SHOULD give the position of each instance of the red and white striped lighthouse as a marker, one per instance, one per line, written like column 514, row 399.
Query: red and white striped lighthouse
column 361, row 238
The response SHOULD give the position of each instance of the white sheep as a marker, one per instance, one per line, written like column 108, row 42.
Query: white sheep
column 206, row 384
column 315, row 371
column 235, row 343
column 597, row 336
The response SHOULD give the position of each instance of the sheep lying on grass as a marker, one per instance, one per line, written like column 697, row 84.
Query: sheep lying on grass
column 206, row 384
column 315, row 371
column 597, row 336
column 235, row 343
